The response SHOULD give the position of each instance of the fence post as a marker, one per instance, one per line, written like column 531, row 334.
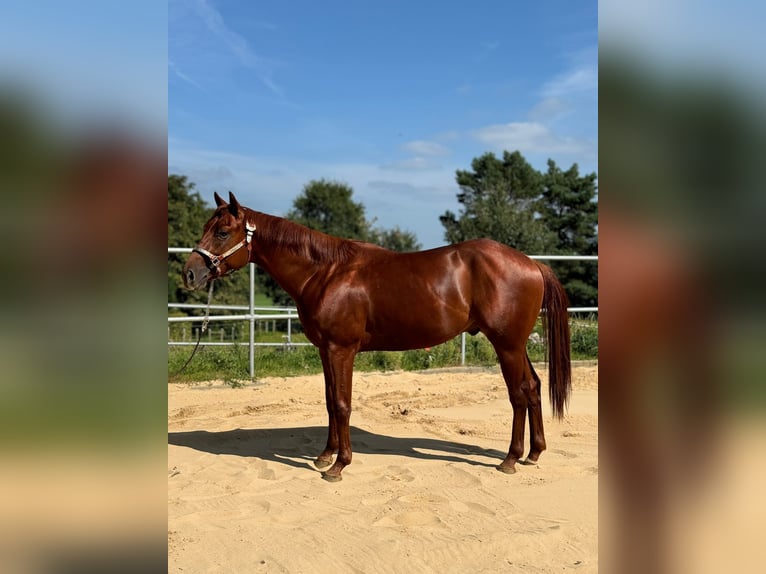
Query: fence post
column 252, row 321
column 462, row 349
column 289, row 330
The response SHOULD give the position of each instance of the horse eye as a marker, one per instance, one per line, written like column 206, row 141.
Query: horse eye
column 222, row 234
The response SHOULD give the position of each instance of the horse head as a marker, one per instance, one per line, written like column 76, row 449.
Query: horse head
column 224, row 247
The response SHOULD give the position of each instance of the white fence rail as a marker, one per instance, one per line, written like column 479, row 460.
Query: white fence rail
column 256, row 314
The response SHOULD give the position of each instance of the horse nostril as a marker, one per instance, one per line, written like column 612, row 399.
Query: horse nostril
column 189, row 277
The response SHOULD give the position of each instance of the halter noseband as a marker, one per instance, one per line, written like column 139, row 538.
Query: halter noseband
column 216, row 260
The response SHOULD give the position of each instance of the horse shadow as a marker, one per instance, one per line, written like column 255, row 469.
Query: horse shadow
column 299, row 446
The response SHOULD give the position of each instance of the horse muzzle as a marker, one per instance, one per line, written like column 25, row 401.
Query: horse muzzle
column 196, row 274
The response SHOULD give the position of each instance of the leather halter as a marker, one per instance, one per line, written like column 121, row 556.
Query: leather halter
column 216, row 260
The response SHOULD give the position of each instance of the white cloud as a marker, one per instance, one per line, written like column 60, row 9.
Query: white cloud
column 417, row 163
column 532, row 137
column 270, row 184
column 547, row 109
column 578, row 80
column 425, row 148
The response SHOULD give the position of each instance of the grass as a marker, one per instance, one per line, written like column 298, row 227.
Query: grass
column 231, row 363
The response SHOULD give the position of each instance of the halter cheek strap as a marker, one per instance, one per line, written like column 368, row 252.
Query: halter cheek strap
column 216, row 260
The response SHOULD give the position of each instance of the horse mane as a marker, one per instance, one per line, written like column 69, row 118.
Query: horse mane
column 302, row 241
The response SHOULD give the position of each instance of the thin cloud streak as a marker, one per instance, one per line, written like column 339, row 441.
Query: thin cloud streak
column 179, row 74
column 238, row 46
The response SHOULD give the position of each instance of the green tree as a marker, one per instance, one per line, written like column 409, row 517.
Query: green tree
column 570, row 210
column 544, row 214
column 328, row 206
column 187, row 214
column 500, row 199
column 395, row 239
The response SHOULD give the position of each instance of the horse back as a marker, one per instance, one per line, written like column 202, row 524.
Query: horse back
column 392, row 301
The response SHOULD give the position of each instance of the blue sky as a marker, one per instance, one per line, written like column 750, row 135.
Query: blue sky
column 390, row 97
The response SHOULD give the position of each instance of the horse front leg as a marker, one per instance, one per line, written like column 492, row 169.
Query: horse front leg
column 325, row 457
column 341, row 368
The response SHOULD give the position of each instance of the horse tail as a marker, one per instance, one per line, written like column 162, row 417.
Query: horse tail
column 555, row 319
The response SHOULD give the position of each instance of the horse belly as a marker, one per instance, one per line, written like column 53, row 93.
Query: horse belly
column 414, row 328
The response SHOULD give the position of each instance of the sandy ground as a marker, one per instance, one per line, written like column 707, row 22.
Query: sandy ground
column 422, row 493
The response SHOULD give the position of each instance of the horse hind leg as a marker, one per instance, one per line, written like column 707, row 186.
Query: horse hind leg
column 513, row 366
column 532, row 388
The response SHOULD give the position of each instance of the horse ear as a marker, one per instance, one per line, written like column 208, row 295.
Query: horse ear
column 218, row 199
column 234, row 205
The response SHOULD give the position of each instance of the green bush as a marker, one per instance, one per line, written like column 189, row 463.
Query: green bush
column 584, row 339
column 380, row 361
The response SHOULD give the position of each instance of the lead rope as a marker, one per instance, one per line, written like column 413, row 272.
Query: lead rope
column 202, row 330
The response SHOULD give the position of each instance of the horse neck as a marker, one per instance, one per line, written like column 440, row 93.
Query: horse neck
column 282, row 256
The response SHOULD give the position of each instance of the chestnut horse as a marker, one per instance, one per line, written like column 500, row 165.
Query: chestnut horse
column 353, row 296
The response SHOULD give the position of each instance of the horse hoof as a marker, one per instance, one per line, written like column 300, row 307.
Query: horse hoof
column 510, row 469
column 332, row 477
column 322, row 463
column 528, row 462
